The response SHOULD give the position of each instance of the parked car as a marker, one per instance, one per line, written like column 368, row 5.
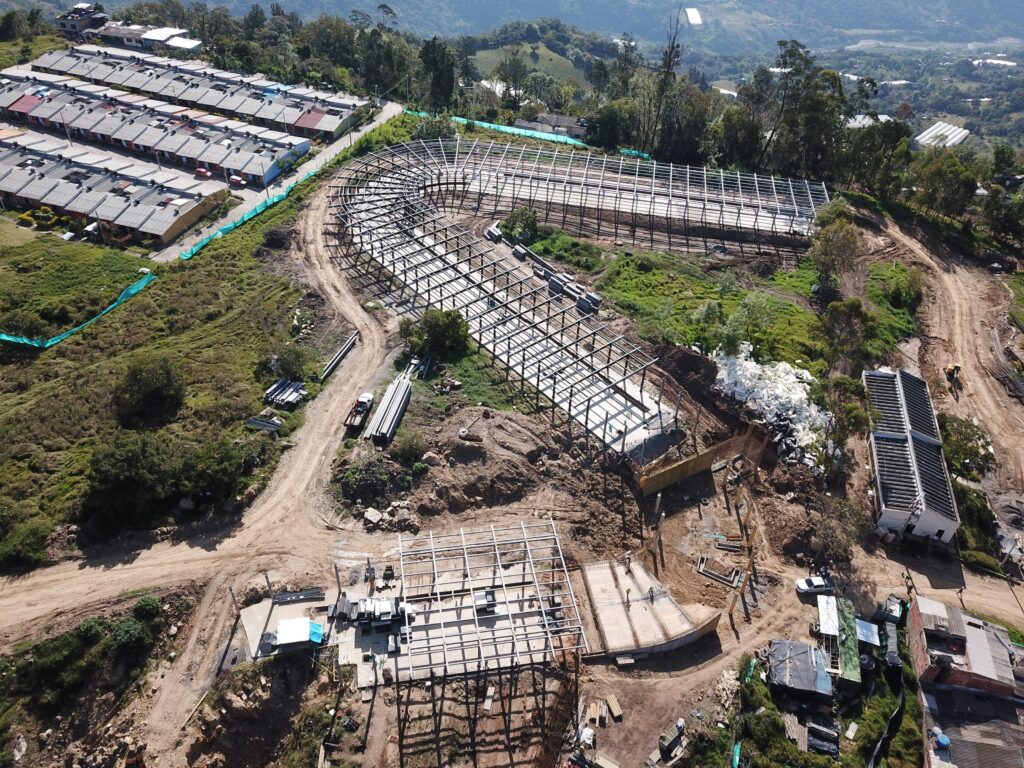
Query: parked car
column 236, row 181
column 815, row 585
column 204, row 173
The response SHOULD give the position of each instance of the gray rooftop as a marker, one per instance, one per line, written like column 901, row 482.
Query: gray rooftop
column 907, row 446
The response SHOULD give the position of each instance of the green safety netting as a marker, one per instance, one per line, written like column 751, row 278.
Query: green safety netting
column 126, row 294
column 556, row 137
column 250, row 214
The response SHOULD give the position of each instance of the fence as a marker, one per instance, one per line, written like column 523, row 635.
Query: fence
column 245, row 217
column 126, row 294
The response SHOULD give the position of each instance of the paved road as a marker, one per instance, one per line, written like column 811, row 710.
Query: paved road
column 252, row 197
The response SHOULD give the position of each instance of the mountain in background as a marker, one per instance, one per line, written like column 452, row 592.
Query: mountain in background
column 729, row 26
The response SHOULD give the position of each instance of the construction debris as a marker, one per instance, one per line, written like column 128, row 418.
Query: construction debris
column 780, row 395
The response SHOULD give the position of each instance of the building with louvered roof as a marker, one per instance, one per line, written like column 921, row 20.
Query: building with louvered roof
column 913, row 494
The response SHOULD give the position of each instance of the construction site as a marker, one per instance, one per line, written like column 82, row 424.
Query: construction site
column 591, row 532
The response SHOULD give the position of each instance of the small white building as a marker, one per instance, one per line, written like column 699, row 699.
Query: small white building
column 913, row 494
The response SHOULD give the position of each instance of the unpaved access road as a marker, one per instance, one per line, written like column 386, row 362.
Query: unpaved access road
column 963, row 320
column 279, row 533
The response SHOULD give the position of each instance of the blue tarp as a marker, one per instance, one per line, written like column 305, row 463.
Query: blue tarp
column 316, row 632
column 126, row 294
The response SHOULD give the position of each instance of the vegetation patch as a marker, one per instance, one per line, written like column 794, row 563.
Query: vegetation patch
column 581, row 256
column 663, row 293
column 976, row 534
column 1016, row 285
column 48, row 285
column 895, row 293
column 55, row 676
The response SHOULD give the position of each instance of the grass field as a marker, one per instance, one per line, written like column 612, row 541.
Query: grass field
column 12, row 234
column 548, row 62
column 219, row 317
column 895, row 322
column 58, row 284
column 663, row 291
column 18, row 52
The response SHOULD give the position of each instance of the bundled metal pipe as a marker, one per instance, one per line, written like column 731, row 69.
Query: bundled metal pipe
column 392, row 407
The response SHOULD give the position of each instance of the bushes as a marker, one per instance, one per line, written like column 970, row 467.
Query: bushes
column 25, row 543
column 150, row 393
column 147, row 609
column 131, row 638
column 443, row 335
column 965, row 446
column 521, row 224
column 408, row 448
column 974, row 559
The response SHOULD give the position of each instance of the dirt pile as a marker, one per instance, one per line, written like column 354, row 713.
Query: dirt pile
column 485, row 458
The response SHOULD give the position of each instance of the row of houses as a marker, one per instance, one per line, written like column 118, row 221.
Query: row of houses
column 292, row 109
column 168, row 133
column 121, row 198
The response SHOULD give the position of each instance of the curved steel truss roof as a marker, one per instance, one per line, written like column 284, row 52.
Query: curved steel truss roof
column 391, row 205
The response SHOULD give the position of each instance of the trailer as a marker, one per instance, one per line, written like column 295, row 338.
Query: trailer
column 360, row 411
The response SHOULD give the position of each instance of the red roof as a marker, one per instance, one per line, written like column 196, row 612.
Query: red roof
column 310, row 119
column 25, row 104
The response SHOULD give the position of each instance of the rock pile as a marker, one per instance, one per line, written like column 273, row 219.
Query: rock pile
column 397, row 517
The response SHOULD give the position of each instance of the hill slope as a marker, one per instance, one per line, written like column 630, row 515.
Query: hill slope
column 730, row 26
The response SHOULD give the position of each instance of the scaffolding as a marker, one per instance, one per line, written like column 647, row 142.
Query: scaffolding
column 492, row 629
column 389, row 221
column 499, row 597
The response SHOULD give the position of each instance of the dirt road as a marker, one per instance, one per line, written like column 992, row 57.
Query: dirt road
column 963, row 320
column 279, row 533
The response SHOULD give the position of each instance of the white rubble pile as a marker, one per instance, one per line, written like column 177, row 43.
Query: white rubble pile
column 780, row 395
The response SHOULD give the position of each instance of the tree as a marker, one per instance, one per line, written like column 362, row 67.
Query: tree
column 848, row 328
column 441, row 334
column 291, row 362
column 966, row 447
column 833, row 251
column 750, row 322
column 540, row 86
column 253, row 21
column 128, row 479
column 521, row 224
column 439, row 65
column 434, row 127
column 708, row 318
column 131, row 638
column 599, row 76
column 150, row 393
column 847, row 401
column 511, row 72
column 945, row 183
column 1004, row 159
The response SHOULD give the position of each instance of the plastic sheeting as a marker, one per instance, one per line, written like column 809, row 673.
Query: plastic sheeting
column 777, row 392
column 126, row 294
column 248, row 215
column 511, row 129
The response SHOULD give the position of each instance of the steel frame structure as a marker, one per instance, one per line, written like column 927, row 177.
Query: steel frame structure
column 595, row 376
column 443, row 575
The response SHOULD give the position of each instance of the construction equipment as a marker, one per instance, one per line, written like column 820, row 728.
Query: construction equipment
column 360, row 411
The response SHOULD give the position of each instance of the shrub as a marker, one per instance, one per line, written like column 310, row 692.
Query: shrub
column 147, row 608
column 292, row 361
column 419, row 469
column 25, row 544
column 441, row 334
column 132, row 639
column 974, row 559
column 90, row 631
column 520, row 224
column 408, row 448
column 150, row 393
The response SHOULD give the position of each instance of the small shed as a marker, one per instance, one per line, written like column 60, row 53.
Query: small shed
column 298, row 633
column 798, row 669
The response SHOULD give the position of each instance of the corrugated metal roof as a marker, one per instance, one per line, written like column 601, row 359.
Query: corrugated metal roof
column 907, row 451
column 828, row 615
